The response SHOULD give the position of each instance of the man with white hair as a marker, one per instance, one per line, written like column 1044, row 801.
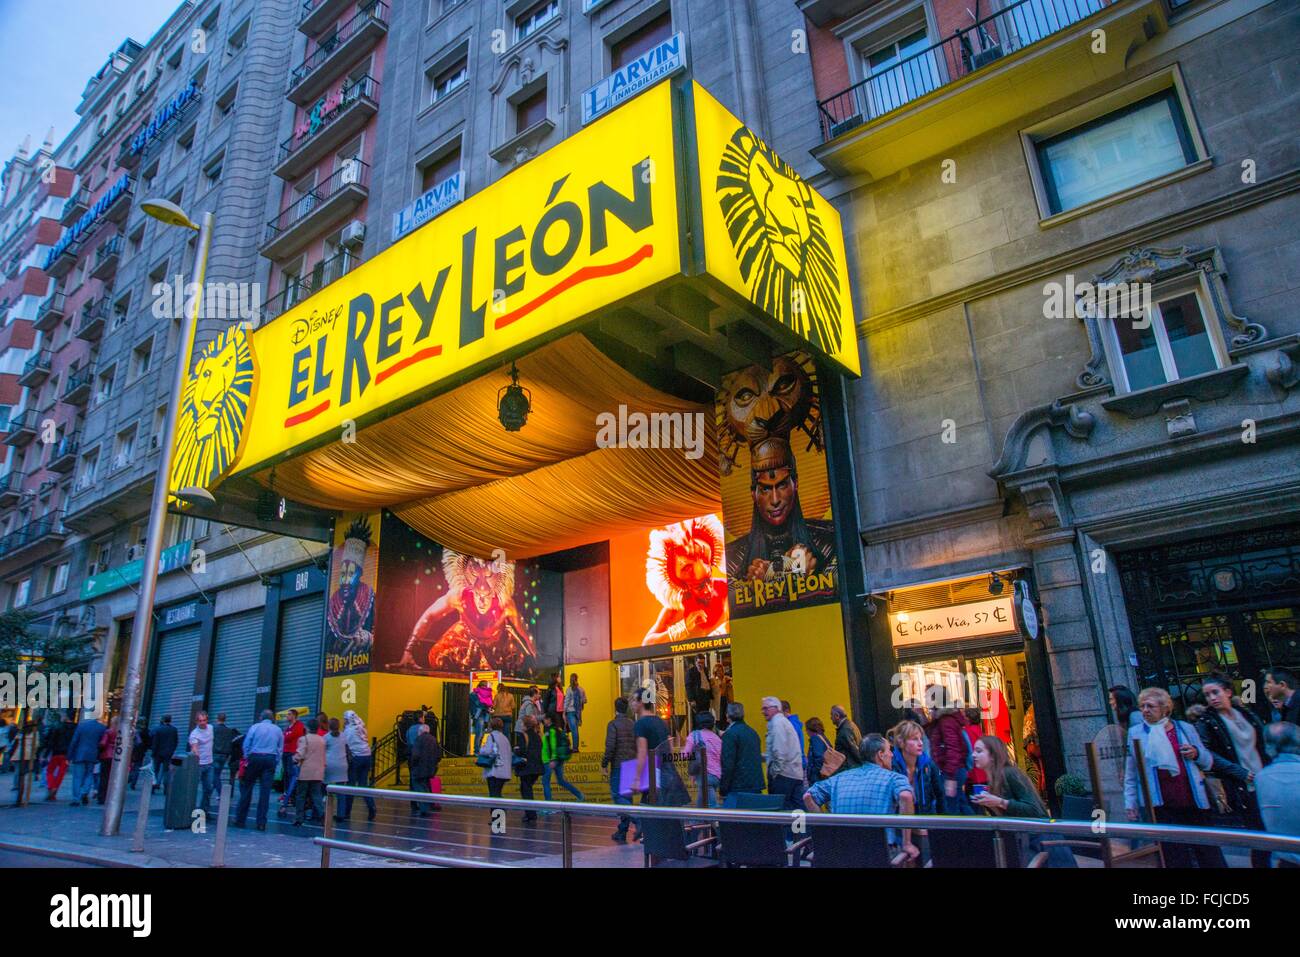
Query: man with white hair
column 1277, row 787
column 784, row 759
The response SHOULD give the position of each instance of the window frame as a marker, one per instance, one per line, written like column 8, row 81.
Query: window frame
column 1170, row 78
column 1181, row 128
column 1165, row 291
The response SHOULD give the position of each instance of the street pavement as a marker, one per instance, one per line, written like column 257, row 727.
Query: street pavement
column 71, row 834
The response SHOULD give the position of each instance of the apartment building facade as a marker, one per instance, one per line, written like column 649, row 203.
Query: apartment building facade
column 1128, row 467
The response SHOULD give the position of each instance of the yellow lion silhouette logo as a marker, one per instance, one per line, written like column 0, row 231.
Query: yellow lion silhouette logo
column 781, row 246
column 214, row 410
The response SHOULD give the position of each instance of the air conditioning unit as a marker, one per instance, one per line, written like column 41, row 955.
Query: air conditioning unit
column 354, row 233
column 349, row 172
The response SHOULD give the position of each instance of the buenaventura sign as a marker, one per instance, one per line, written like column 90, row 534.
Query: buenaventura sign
column 577, row 229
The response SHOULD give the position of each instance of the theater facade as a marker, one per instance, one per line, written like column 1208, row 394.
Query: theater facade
column 586, row 421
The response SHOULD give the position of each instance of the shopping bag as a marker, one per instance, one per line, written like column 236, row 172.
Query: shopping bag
column 435, row 785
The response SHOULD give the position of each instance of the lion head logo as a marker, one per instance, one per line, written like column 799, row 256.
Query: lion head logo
column 214, row 410
column 781, row 246
column 760, row 406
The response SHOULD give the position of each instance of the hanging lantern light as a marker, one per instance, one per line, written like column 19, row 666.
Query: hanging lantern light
column 514, row 402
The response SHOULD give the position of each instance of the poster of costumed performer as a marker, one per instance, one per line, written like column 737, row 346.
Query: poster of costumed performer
column 762, row 408
column 486, row 633
column 684, row 570
column 351, row 612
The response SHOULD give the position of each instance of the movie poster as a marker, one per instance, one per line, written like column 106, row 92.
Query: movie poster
column 350, row 610
column 445, row 614
column 669, row 589
column 780, row 538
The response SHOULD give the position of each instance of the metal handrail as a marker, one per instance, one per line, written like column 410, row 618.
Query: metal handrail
column 1015, row 26
column 1255, row 840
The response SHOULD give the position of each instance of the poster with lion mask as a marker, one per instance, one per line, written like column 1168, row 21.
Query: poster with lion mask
column 780, row 537
column 445, row 614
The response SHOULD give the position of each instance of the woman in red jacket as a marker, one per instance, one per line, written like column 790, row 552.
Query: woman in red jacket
column 949, row 747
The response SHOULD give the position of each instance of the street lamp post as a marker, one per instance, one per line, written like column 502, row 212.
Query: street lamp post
column 171, row 215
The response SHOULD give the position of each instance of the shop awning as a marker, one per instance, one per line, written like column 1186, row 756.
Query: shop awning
column 450, row 469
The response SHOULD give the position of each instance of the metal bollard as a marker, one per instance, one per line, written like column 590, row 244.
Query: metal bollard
column 331, row 808
column 223, row 824
column 142, row 813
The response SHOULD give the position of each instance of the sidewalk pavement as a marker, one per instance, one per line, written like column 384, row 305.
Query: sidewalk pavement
column 58, row 829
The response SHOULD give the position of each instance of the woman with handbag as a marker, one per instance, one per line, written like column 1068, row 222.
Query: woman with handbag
column 555, row 751
column 1174, row 761
column 1235, row 738
column 704, row 739
column 528, row 763
column 819, row 746
column 495, row 758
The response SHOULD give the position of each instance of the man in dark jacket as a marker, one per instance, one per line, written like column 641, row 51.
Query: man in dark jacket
column 620, row 746
column 140, row 743
column 223, row 744
column 425, row 757
column 698, row 689
column 1281, row 697
column 57, row 740
column 742, row 757
column 848, row 739
column 83, row 753
column 164, row 746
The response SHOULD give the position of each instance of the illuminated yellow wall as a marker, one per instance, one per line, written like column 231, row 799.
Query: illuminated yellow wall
column 600, row 680
column 391, row 694
column 795, row 655
column 347, row 693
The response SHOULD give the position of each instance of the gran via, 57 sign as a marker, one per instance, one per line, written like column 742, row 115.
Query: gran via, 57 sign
column 977, row 619
column 645, row 71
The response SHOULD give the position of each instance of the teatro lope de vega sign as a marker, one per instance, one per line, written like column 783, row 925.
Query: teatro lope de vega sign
column 580, row 227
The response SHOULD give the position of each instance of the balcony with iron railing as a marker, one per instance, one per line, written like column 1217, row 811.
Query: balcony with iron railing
column 1000, row 68
column 60, row 265
column 324, row 205
column 316, row 15
column 63, row 457
column 75, row 207
column 11, row 488
column 300, row 288
column 36, row 369
column 328, row 125
column 94, row 316
column 76, row 388
column 107, row 257
column 50, row 312
column 344, row 46
column 47, row 528
column 22, row 428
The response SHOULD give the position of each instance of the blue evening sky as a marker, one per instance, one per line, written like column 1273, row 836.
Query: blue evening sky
column 50, row 48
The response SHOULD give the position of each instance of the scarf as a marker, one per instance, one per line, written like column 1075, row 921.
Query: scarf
column 1159, row 752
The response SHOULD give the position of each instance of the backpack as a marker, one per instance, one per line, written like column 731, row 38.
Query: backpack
column 559, row 745
column 970, row 751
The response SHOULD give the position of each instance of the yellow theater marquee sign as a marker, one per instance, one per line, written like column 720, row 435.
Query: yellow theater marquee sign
column 580, row 227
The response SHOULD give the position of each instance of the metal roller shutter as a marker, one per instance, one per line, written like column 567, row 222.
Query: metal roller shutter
column 235, row 656
column 173, row 682
column 299, row 656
